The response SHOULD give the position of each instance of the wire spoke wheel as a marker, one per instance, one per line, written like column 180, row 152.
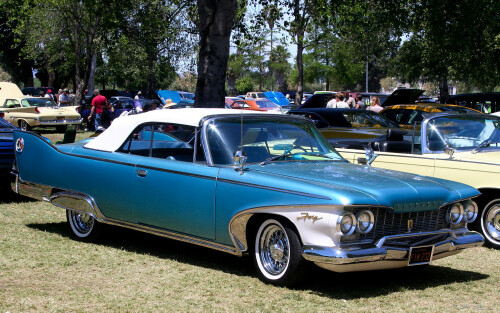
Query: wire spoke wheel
column 83, row 225
column 277, row 253
column 274, row 249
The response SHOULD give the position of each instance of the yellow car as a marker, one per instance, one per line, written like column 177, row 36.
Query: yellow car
column 28, row 112
column 460, row 147
column 406, row 115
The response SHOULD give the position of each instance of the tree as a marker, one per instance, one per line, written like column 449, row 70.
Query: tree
column 457, row 44
column 75, row 29
column 216, row 19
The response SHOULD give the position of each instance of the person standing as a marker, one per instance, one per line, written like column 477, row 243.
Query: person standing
column 349, row 100
column 64, row 98
column 98, row 104
column 139, row 96
column 375, row 105
column 360, row 104
column 339, row 102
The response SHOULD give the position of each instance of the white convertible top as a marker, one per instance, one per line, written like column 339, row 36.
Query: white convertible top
column 113, row 137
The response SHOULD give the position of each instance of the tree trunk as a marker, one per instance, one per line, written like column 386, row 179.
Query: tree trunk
column 443, row 89
column 300, row 76
column 216, row 21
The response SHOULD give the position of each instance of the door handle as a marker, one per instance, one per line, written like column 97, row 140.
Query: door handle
column 141, row 173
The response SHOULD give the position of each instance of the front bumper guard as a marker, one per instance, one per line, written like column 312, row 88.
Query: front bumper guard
column 384, row 255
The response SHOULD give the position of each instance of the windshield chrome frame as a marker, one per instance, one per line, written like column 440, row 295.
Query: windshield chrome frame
column 425, row 124
column 209, row 119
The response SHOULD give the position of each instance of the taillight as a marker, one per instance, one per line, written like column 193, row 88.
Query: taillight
column 2, row 114
column 36, row 109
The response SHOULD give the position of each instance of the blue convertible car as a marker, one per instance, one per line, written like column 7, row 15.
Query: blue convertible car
column 247, row 183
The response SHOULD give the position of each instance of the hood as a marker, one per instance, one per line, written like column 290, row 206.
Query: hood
column 277, row 97
column 403, row 96
column 350, row 184
column 318, row 100
column 174, row 96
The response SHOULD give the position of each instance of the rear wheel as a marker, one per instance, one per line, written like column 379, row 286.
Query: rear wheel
column 278, row 254
column 489, row 223
column 24, row 125
column 83, row 226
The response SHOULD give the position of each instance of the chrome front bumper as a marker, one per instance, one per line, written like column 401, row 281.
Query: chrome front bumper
column 383, row 255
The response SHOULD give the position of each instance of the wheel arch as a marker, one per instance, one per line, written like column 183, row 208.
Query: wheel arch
column 75, row 201
column 311, row 224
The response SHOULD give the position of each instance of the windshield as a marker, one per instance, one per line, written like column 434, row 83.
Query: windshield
column 187, row 95
column 266, row 104
column 368, row 119
column 38, row 102
column 267, row 137
column 462, row 133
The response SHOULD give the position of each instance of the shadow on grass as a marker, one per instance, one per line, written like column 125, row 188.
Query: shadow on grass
column 9, row 196
column 164, row 248
column 321, row 282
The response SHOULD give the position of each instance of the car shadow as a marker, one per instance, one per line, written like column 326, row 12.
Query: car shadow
column 324, row 283
column 9, row 196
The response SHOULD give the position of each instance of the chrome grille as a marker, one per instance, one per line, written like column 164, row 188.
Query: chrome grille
column 388, row 223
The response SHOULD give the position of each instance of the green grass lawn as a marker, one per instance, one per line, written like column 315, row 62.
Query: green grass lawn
column 43, row 269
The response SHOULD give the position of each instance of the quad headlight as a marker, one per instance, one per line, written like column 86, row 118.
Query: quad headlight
column 470, row 212
column 346, row 223
column 362, row 222
column 455, row 213
column 365, row 221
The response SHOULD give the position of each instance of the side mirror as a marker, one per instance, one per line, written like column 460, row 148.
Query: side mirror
column 240, row 158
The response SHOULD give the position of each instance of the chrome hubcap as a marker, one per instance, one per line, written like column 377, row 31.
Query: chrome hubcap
column 274, row 249
column 82, row 222
column 492, row 222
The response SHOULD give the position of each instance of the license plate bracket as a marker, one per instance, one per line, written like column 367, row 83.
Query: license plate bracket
column 420, row 255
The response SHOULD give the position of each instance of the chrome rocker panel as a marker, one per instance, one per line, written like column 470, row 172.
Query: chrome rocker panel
column 384, row 256
column 79, row 202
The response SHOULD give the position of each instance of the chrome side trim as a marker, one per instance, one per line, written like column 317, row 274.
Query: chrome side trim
column 299, row 193
column 238, row 224
column 75, row 201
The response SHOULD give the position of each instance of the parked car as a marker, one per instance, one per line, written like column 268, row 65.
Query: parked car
column 280, row 99
column 356, row 129
column 268, row 185
column 462, row 147
column 254, row 95
column 6, row 152
column 255, row 105
column 406, row 115
column 171, row 97
column 28, row 112
column 488, row 102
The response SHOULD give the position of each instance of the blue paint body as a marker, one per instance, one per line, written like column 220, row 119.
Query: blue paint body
column 200, row 200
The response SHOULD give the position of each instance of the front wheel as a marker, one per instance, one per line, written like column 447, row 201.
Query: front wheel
column 278, row 253
column 489, row 224
column 83, row 226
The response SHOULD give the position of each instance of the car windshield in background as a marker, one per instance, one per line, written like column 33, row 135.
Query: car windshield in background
column 38, row 102
column 266, row 104
column 368, row 119
column 187, row 95
column 266, row 138
column 463, row 133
